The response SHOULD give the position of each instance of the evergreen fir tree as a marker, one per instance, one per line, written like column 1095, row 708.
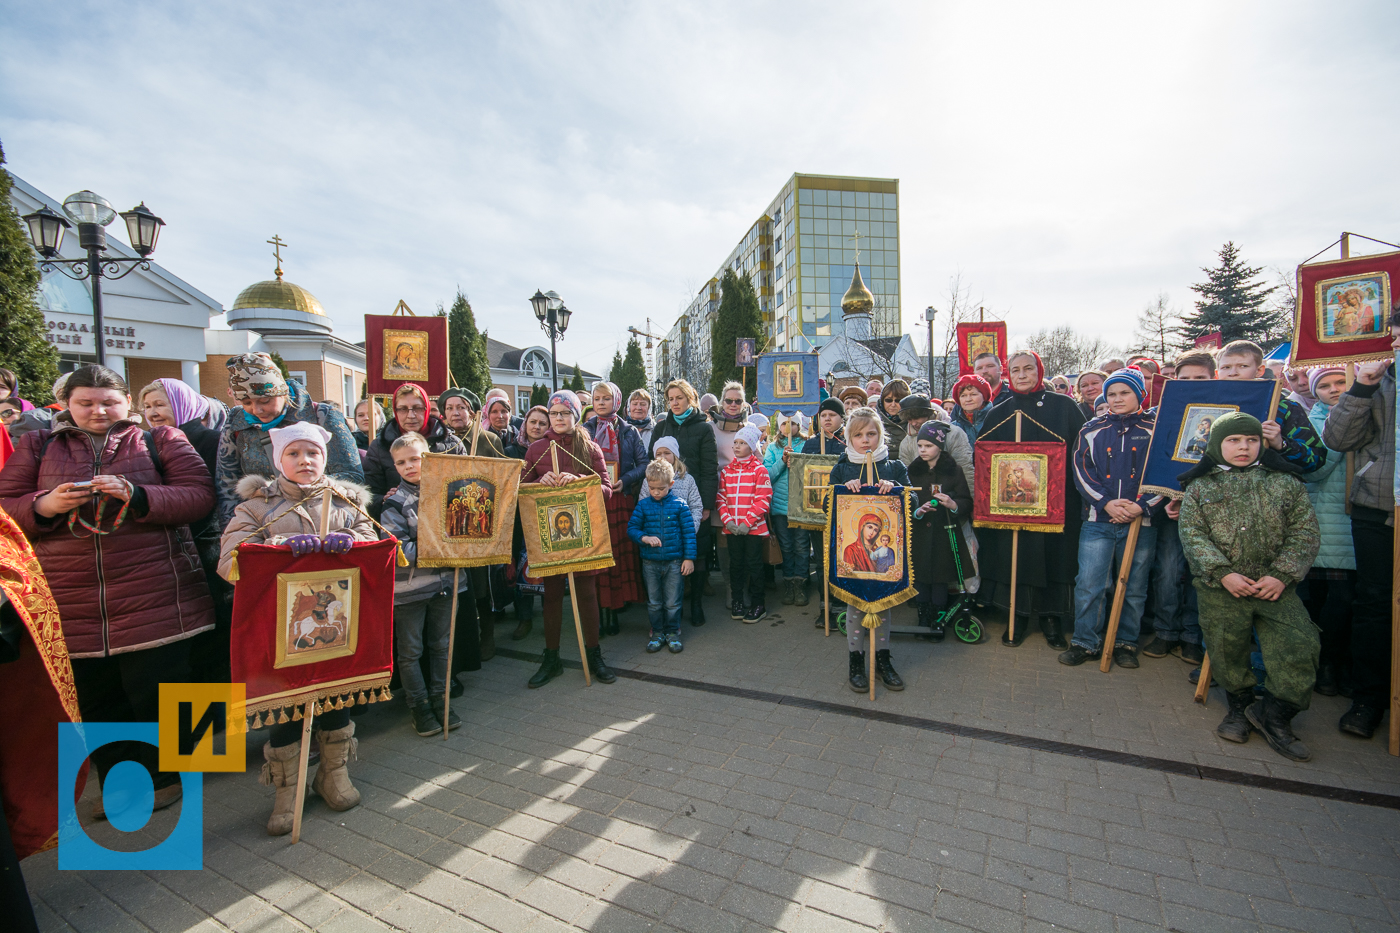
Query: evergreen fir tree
column 466, row 353
column 738, row 316
column 281, row 365
column 1232, row 301
column 615, row 370
column 576, row 383
column 24, row 351
column 539, row 395
column 633, row 372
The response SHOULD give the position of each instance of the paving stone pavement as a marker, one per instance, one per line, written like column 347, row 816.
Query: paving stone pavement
column 654, row 806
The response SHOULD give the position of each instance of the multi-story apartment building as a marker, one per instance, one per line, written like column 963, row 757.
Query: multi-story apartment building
column 800, row 255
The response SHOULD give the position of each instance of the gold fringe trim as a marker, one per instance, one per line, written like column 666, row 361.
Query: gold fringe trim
column 487, row 561
column 340, row 695
column 1172, row 493
column 1013, row 526
column 600, row 563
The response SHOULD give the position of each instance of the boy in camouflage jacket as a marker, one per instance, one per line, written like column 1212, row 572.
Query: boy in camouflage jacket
column 1249, row 533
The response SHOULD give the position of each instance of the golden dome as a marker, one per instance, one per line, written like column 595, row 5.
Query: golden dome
column 277, row 293
column 858, row 299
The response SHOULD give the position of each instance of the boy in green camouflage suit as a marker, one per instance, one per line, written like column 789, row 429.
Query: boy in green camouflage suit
column 1249, row 533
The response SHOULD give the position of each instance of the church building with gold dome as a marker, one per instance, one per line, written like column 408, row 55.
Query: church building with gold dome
column 277, row 316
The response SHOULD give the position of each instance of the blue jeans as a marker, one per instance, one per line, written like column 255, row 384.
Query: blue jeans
column 1100, row 544
column 793, row 543
column 1174, row 616
column 419, row 626
column 664, row 586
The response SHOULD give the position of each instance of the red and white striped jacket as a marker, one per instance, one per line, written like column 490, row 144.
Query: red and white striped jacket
column 744, row 494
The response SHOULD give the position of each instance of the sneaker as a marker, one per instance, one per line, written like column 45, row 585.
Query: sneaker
column 453, row 720
column 1160, row 648
column 655, row 644
column 1125, row 656
column 736, row 611
column 1192, row 654
column 673, row 644
column 756, row 614
column 424, row 720
column 1077, row 655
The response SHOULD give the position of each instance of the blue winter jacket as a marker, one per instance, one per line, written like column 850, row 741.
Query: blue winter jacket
column 834, row 445
column 668, row 519
column 1327, row 488
column 1108, row 464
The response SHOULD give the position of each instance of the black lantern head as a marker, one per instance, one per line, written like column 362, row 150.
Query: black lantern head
column 563, row 313
column 142, row 228
column 46, row 231
column 540, row 304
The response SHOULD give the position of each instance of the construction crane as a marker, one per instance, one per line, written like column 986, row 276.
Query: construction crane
column 651, row 366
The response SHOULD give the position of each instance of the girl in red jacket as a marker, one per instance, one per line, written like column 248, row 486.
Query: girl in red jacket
column 744, row 495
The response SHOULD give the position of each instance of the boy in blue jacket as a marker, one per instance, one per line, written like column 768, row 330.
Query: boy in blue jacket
column 1108, row 470
column 664, row 529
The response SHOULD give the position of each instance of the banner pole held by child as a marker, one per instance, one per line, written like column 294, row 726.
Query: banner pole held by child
column 1120, row 591
column 303, row 759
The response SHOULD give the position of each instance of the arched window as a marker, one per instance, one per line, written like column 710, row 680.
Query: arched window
column 534, row 363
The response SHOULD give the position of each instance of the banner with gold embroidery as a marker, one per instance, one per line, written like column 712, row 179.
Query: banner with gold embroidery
column 566, row 527
column 466, row 510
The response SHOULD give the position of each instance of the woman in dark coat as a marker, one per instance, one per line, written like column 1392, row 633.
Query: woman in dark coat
column 118, row 554
column 1047, row 563
column 411, row 413
column 693, row 433
column 935, row 569
column 623, row 453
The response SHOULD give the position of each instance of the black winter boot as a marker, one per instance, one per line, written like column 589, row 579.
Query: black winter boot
column 931, row 619
column 550, row 668
column 787, row 592
column 799, row 592
column 597, row 666
column 885, row 668
column 1054, row 634
column 1235, row 727
column 1273, row 718
column 859, row 682
column 697, row 602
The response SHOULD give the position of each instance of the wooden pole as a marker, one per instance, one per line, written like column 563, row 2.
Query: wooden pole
column 1120, row 592
column 573, row 589
column 308, row 713
column 870, row 638
column 451, row 645
column 1015, row 554
column 826, row 571
column 1351, row 378
column 1203, row 685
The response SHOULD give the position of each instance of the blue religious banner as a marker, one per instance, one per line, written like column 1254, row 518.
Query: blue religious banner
column 870, row 562
column 787, row 382
column 1185, row 414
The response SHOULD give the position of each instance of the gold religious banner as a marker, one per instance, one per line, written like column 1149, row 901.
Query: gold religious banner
column 466, row 510
column 566, row 527
column 809, row 475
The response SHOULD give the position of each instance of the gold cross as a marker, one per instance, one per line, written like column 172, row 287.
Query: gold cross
column 277, row 243
column 857, row 239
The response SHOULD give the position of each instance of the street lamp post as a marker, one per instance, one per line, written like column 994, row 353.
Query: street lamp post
column 92, row 213
column 554, row 320
column 929, row 314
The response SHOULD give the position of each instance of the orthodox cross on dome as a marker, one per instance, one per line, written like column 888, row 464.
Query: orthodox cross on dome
column 856, row 238
column 277, row 243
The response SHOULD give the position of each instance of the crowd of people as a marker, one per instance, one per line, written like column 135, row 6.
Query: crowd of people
column 1274, row 559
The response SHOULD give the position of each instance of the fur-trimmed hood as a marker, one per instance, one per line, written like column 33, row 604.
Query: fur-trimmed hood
column 260, row 487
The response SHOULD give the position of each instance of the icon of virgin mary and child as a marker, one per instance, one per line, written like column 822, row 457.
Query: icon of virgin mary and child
column 871, row 551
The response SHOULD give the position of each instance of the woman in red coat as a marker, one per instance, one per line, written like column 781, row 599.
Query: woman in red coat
column 578, row 457
column 106, row 506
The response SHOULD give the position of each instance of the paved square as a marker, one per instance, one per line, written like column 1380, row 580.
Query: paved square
column 693, row 806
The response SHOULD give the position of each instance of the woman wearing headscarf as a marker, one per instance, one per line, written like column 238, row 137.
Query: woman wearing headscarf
column 169, row 402
column 626, row 461
column 1047, row 563
column 411, row 413
column 577, row 457
column 268, row 401
column 973, row 399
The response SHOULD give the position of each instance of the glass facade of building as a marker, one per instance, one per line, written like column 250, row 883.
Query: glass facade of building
column 800, row 255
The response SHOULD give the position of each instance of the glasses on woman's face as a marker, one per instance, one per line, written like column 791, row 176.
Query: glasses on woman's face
column 733, row 401
column 8, row 415
column 414, row 410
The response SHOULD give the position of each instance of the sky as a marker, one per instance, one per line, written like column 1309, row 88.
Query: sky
column 1066, row 162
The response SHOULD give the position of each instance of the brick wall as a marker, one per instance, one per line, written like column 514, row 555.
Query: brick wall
column 213, row 377
column 142, row 372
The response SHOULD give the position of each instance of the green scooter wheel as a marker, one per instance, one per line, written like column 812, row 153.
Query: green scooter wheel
column 968, row 628
column 841, row 622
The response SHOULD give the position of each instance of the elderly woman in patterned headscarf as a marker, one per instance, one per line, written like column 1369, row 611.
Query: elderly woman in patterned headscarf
column 626, row 459
column 267, row 401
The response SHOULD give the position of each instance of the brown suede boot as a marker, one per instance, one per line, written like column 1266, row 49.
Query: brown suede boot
column 332, row 781
column 280, row 771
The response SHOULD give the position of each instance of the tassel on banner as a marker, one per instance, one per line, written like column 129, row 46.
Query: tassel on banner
column 871, row 620
column 257, row 720
column 361, row 698
column 340, row 702
column 282, row 716
column 403, row 560
column 296, row 714
column 233, row 567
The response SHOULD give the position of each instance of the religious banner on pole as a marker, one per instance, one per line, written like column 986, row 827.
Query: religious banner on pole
column 978, row 337
column 1185, row 414
column 787, row 382
column 1211, row 341
column 565, row 527
column 466, row 510
column 1019, row 486
column 313, row 629
column 809, row 477
column 403, row 348
column 870, row 563
column 1344, row 308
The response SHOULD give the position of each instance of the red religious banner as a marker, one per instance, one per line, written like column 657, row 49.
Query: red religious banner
column 1154, row 389
column 1343, row 310
column 1212, row 341
column 405, row 348
column 978, row 337
column 317, row 628
column 1019, row 485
